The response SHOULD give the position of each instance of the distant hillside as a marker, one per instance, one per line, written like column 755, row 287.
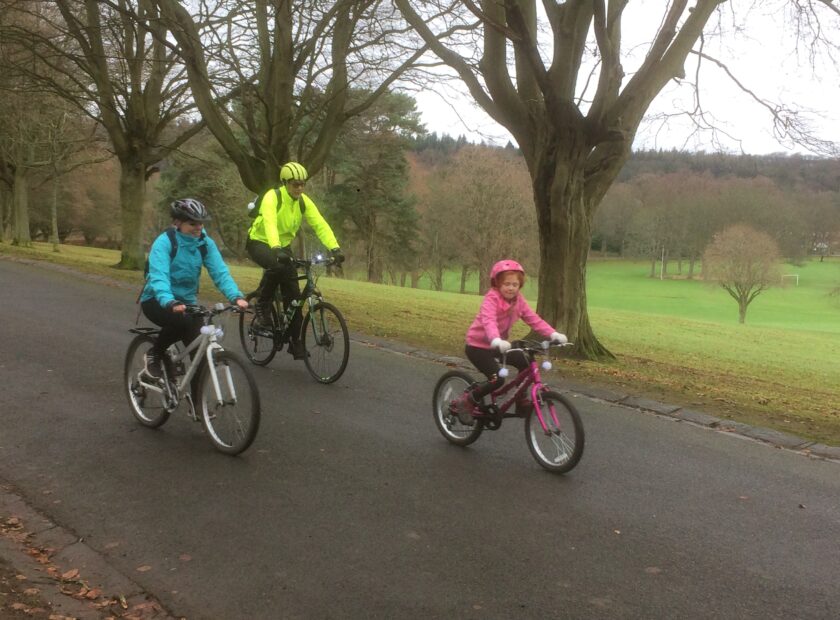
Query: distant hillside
column 787, row 171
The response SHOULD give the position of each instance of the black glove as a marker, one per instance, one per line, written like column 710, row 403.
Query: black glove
column 337, row 256
column 283, row 256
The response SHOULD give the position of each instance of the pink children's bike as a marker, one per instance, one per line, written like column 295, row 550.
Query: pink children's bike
column 553, row 429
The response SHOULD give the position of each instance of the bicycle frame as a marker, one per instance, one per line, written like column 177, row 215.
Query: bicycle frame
column 310, row 296
column 528, row 379
column 205, row 345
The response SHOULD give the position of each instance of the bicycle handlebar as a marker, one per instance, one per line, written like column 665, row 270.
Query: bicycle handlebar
column 319, row 259
column 218, row 308
column 535, row 346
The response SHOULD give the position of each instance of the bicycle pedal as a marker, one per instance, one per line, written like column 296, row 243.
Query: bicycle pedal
column 491, row 417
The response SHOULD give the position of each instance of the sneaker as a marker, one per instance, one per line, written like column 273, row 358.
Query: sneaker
column 153, row 364
column 463, row 407
column 297, row 350
column 262, row 313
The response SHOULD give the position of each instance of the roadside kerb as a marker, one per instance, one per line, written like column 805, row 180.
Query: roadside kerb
column 43, row 552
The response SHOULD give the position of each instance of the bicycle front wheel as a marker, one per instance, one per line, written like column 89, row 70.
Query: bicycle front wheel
column 257, row 342
column 450, row 387
column 559, row 446
column 326, row 341
column 231, row 415
column 147, row 405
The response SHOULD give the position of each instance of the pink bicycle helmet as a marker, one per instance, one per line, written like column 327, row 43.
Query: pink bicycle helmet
column 504, row 265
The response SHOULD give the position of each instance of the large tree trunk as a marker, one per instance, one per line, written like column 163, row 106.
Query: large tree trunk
column 565, row 236
column 132, row 197
column 464, row 272
column 20, row 210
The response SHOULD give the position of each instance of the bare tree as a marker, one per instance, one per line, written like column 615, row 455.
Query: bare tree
column 286, row 73
column 612, row 219
column 574, row 123
column 744, row 262
column 94, row 56
column 485, row 192
column 25, row 149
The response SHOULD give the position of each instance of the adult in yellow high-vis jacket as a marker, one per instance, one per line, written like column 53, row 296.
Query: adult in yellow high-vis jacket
column 269, row 244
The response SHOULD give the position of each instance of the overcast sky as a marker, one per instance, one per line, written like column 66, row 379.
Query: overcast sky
column 764, row 58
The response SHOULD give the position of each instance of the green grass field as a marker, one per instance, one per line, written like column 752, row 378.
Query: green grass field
column 677, row 340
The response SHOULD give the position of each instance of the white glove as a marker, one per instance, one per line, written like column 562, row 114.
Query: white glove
column 558, row 338
column 502, row 345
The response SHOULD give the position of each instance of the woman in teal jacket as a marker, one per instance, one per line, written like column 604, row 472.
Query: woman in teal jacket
column 173, row 279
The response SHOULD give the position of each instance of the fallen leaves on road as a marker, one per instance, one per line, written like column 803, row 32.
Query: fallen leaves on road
column 70, row 581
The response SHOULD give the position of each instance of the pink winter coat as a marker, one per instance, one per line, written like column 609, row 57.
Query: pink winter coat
column 497, row 315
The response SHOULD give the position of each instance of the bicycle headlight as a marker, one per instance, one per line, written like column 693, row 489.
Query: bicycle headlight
column 207, row 329
column 546, row 365
column 503, row 372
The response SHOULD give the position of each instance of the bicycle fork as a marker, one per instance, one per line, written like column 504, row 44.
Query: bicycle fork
column 226, row 377
column 539, row 409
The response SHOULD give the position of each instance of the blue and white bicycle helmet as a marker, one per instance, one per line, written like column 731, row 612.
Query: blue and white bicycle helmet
column 189, row 209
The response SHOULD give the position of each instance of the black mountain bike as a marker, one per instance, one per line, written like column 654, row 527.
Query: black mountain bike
column 323, row 333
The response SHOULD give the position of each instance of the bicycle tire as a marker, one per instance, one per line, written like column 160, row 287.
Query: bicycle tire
column 449, row 387
column 148, row 407
column 232, row 425
column 258, row 348
column 327, row 347
column 560, row 450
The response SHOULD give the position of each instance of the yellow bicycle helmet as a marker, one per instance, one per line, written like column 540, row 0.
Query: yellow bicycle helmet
column 293, row 171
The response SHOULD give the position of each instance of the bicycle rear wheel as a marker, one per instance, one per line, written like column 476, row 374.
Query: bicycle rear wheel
column 147, row 405
column 231, row 418
column 449, row 387
column 559, row 446
column 257, row 342
column 326, row 341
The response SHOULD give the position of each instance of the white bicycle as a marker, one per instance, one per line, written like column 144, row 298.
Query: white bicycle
column 225, row 399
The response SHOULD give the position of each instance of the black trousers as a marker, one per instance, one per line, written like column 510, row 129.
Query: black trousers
column 174, row 326
column 274, row 275
column 488, row 363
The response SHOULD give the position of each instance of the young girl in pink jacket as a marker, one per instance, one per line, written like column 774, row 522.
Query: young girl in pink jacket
column 487, row 337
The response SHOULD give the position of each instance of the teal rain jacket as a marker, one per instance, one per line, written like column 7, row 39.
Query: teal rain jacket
column 176, row 279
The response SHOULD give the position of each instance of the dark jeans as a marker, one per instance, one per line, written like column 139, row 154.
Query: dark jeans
column 274, row 275
column 174, row 326
column 488, row 363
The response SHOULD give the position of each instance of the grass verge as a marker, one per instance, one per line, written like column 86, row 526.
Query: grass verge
column 770, row 374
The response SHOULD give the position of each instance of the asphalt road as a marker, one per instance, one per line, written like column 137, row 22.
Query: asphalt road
column 350, row 504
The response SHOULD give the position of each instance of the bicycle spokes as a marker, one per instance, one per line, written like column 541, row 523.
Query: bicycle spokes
column 326, row 341
column 554, row 433
column 228, row 403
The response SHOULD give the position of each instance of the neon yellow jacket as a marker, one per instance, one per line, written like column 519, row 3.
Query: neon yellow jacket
column 278, row 227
